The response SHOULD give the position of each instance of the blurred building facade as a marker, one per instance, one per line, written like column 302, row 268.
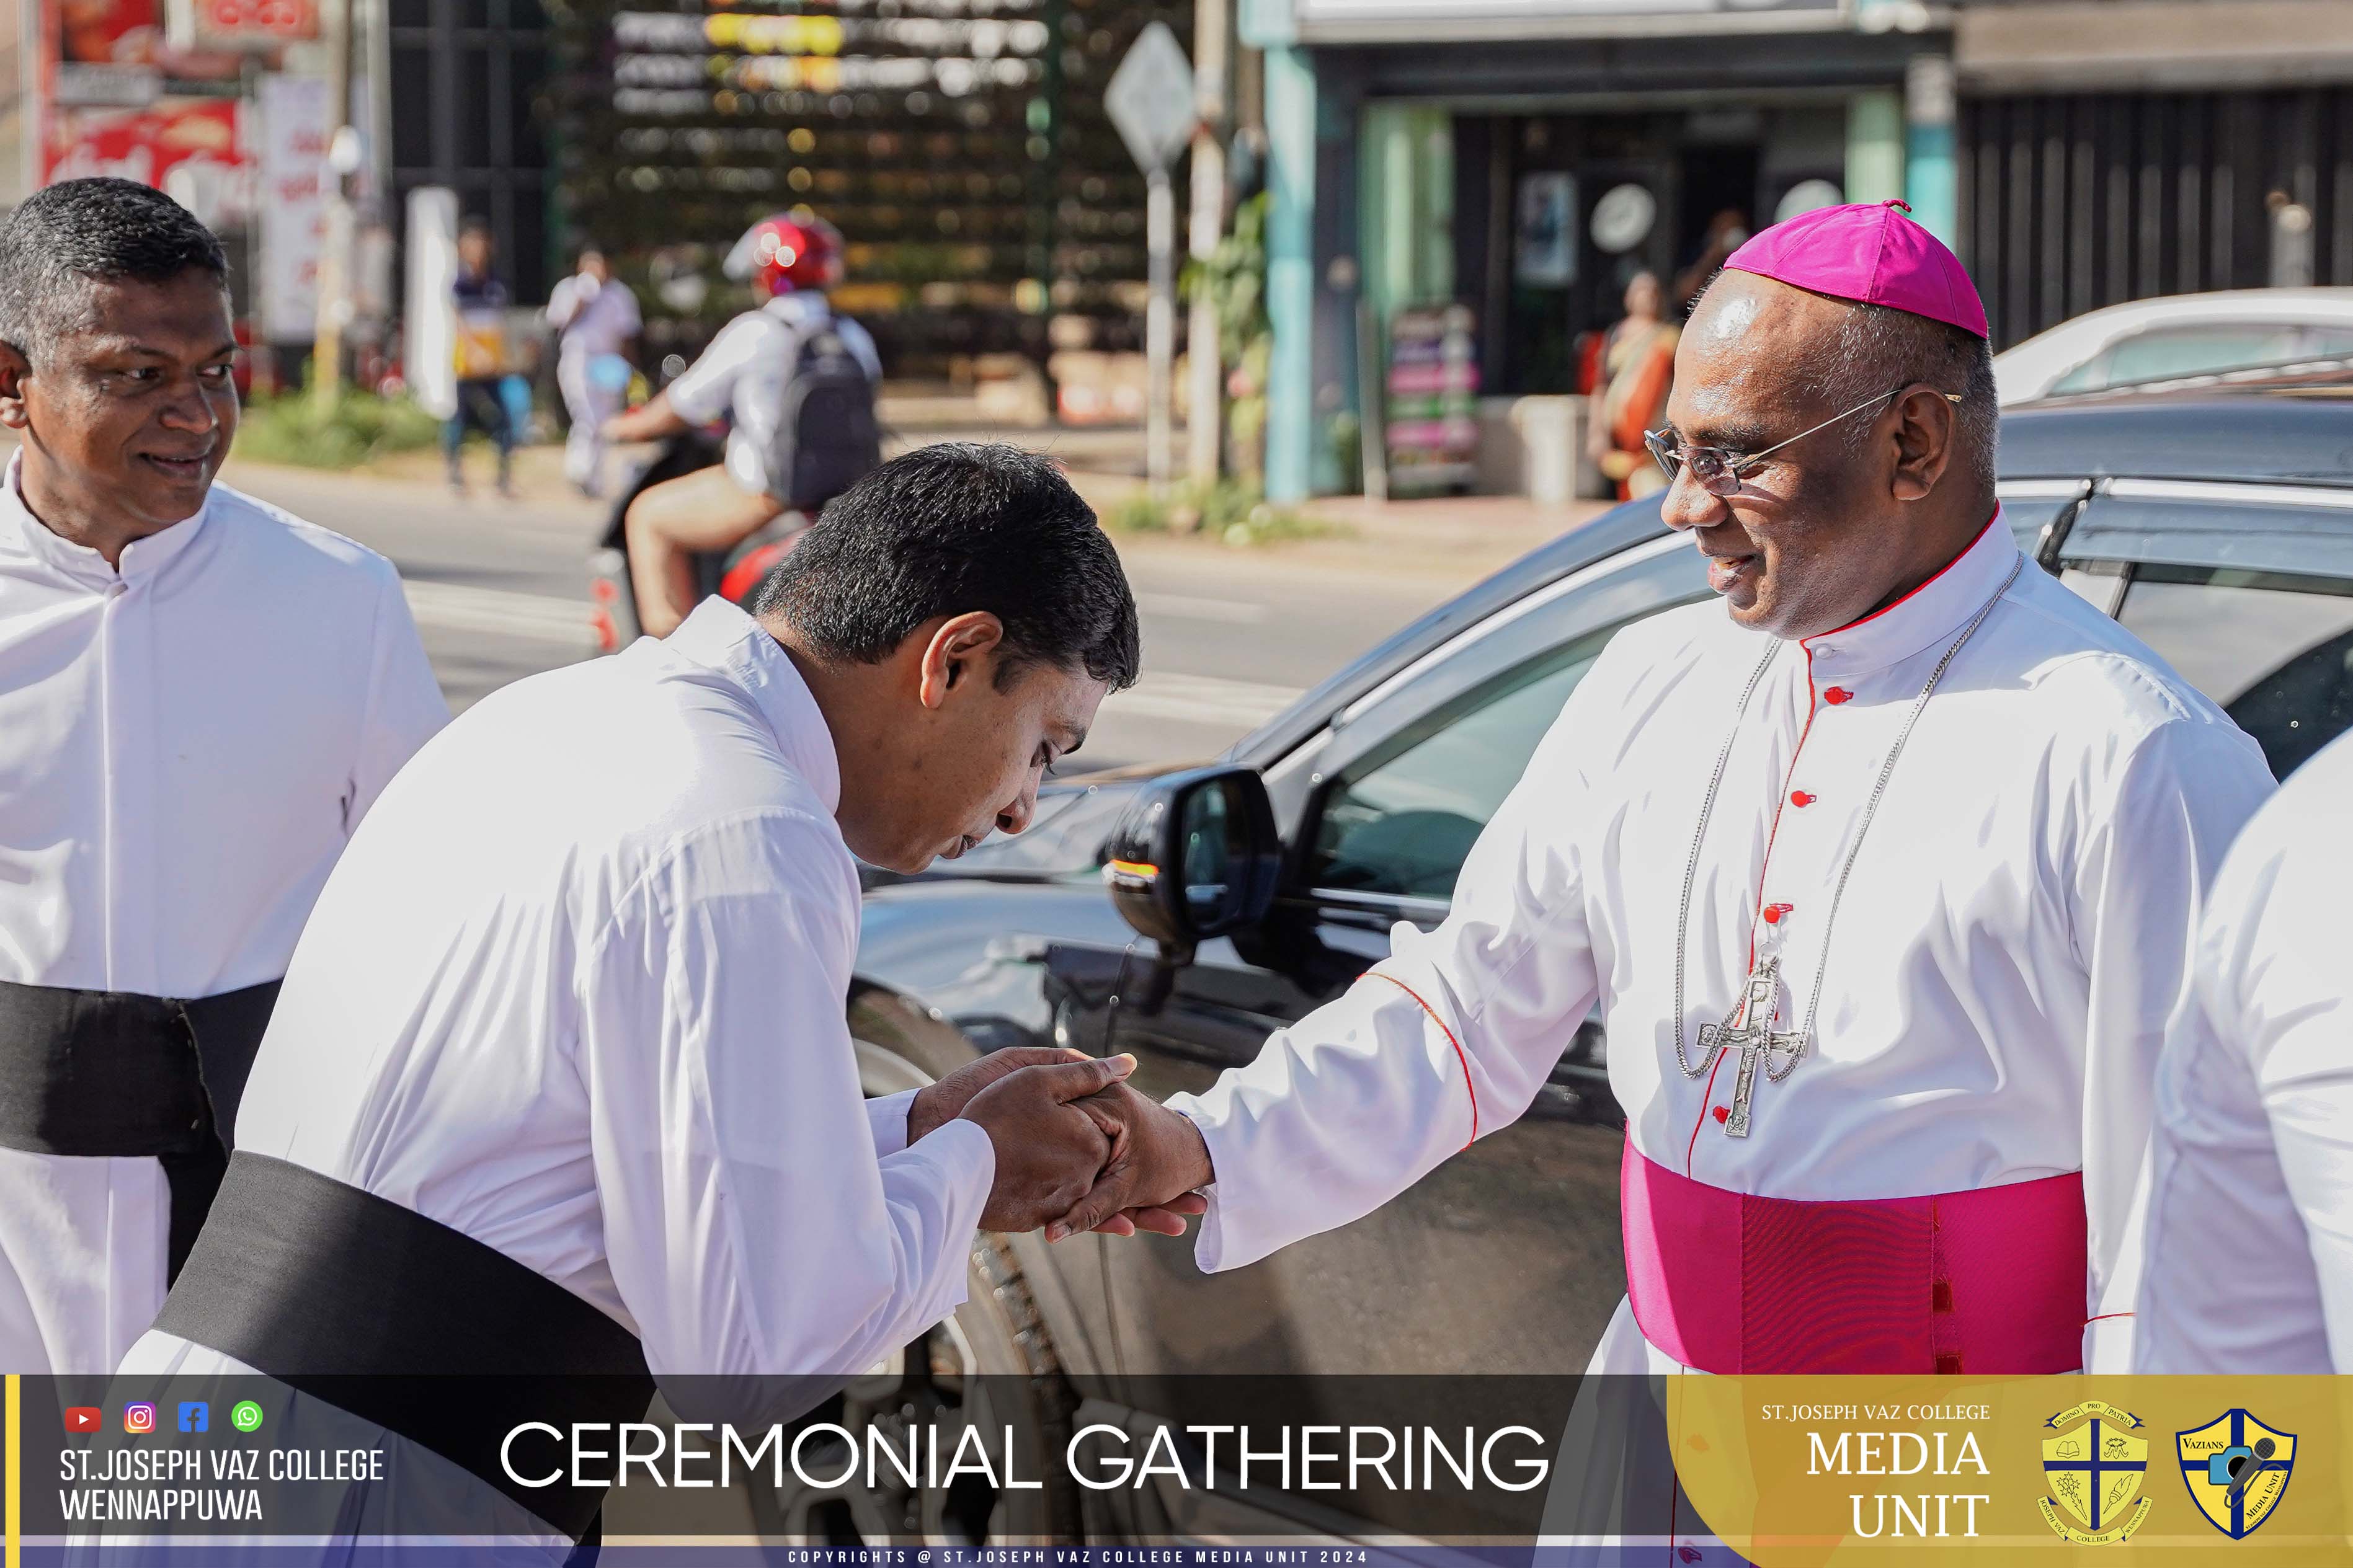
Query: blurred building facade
column 959, row 145
column 458, row 90
column 1533, row 154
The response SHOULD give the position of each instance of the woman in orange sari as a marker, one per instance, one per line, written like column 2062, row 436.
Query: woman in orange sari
column 1638, row 368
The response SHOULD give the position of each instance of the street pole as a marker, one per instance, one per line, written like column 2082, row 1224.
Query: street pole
column 1160, row 325
column 1205, row 366
column 335, row 251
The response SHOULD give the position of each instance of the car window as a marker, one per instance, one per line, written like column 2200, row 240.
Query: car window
column 2275, row 649
column 1401, row 820
column 2164, row 352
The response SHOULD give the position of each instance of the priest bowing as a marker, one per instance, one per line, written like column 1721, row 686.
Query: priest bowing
column 1881, row 869
column 200, row 697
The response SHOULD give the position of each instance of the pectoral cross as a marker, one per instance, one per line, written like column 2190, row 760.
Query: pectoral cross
column 1747, row 1029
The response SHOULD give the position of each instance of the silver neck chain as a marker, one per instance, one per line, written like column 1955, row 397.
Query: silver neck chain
column 1871, row 809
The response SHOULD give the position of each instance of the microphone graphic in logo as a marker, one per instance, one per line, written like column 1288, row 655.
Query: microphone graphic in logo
column 139, row 1417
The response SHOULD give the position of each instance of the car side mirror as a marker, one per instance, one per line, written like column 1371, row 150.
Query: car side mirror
column 1195, row 856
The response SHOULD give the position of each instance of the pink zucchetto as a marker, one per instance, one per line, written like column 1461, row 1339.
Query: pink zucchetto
column 1870, row 253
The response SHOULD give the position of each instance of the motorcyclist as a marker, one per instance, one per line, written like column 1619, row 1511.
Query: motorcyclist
column 746, row 375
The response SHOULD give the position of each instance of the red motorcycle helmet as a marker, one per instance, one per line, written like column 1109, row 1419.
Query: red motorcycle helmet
column 783, row 252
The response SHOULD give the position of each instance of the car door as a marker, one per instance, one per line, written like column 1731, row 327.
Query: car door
column 2246, row 589
column 1507, row 1259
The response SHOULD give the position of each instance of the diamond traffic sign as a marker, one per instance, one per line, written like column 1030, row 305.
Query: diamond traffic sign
column 1150, row 99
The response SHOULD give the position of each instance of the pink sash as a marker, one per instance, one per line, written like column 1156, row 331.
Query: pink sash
column 1989, row 1282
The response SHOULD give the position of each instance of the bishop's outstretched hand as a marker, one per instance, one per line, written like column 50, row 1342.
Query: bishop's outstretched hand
column 1157, row 1163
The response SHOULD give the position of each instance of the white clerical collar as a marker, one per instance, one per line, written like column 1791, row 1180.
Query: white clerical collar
column 1929, row 614
column 722, row 639
column 142, row 559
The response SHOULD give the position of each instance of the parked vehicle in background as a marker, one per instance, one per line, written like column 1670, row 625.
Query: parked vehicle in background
column 2185, row 334
column 2215, row 523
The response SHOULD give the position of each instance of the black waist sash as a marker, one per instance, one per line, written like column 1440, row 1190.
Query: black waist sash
column 376, row 1309
column 99, row 1073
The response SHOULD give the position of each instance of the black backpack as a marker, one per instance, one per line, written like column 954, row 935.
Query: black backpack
column 827, row 437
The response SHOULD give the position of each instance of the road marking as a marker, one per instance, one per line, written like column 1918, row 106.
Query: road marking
column 1186, row 608
column 458, row 607
column 1202, row 700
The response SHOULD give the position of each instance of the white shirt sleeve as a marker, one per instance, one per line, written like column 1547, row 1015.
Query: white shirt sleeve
column 1443, row 1042
column 706, row 391
column 2144, row 869
column 563, row 302
column 750, row 1227
column 627, row 321
column 887, row 1119
column 2247, row 1254
column 405, row 705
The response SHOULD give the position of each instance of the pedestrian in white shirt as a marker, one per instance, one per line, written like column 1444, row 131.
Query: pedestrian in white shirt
column 200, row 698
column 595, row 317
column 2247, row 1255
column 1879, row 873
column 561, row 1081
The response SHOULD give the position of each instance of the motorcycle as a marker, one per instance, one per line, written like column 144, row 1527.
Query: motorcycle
column 734, row 574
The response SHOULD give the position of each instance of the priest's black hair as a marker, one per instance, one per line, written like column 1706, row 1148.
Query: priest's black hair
column 954, row 528
column 78, row 233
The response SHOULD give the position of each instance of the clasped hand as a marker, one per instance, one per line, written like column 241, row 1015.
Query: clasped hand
column 1077, row 1150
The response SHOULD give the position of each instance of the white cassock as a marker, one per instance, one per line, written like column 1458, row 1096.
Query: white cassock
column 2247, row 1254
column 578, row 992
column 186, row 745
column 2011, row 940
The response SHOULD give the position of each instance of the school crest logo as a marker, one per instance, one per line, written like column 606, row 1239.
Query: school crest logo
column 2236, row 1468
column 2093, row 1463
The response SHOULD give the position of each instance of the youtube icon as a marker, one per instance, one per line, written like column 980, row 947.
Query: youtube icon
column 84, row 1418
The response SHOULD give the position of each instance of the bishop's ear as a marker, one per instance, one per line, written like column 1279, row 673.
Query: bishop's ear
column 14, row 370
column 1925, row 422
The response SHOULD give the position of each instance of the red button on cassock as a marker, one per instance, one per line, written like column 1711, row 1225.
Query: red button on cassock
column 1773, row 912
column 1836, row 695
column 1723, row 1113
column 1799, row 797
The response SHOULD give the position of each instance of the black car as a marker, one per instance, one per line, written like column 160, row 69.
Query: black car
column 2216, row 524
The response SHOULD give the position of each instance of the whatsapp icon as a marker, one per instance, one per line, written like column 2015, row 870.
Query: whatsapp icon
column 245, row 1415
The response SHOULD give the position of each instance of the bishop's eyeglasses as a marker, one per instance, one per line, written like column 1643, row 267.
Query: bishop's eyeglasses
column 1719, row 472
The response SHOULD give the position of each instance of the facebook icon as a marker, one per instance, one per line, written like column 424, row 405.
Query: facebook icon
column 194, row 1416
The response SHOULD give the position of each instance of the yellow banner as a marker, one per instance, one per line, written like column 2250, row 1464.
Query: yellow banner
column 1812, row 1472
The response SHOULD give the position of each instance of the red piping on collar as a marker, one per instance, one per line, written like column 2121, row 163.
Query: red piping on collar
column 1891, row 609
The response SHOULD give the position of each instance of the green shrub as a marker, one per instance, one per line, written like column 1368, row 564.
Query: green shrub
column 286, row 428
column 1233, row 511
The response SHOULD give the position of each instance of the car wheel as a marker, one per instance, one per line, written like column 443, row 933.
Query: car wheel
column 991, row 1368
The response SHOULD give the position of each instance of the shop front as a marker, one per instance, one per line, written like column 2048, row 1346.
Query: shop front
column 1524, row 162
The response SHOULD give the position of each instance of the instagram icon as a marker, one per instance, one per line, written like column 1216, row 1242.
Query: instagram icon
column 139, row 1417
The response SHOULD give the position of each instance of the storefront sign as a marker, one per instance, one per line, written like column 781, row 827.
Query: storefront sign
column 242, row 23
column 294, row 129
column 196, row 137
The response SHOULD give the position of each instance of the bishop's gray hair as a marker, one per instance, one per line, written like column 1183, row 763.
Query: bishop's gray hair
column 67, row 238
column 1880, row 349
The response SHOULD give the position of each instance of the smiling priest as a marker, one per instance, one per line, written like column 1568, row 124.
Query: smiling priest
column 200, row 697
column 1882, row 872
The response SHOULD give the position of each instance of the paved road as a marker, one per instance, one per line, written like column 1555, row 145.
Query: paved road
column 500, row 593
